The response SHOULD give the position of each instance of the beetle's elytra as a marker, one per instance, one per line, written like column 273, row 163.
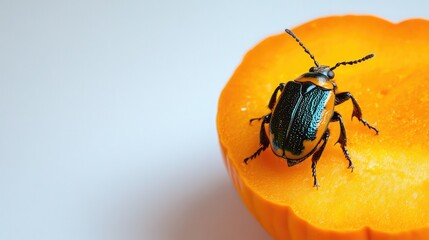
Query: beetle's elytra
column 300, row 113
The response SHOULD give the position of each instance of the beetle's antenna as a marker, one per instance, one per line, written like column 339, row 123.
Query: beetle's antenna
column 302, row 45
column 353, row 62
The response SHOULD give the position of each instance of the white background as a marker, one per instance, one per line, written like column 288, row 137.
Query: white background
column 107, row 113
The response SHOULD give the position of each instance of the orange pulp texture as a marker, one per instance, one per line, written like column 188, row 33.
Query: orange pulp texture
column 387, row 194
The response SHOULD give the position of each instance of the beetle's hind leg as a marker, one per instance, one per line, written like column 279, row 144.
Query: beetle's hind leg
column 316, row 157
column 357, row 112
column 342, row 140
column 263, row 138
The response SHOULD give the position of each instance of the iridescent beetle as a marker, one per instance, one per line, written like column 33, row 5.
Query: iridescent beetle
column 300, row 116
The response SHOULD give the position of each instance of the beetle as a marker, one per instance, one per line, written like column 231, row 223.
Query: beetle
column 299, row 117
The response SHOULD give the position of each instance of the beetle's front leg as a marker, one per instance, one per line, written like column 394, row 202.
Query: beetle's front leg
column 272, row 102
column 263, row 138
column 273, row 98
column 357, row 112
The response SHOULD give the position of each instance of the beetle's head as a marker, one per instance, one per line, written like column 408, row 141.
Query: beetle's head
column 325, row 70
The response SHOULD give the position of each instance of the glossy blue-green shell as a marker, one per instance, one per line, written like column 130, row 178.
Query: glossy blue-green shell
column 297, row 118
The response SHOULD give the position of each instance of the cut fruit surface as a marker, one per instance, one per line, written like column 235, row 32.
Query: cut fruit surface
column 387, row 194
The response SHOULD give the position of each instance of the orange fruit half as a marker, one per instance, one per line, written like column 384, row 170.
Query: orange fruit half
column 387, row 194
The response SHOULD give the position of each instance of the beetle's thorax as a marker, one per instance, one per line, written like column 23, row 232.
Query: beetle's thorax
column 321, row 76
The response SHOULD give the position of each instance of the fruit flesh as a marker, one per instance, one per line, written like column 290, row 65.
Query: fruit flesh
column 388, row 191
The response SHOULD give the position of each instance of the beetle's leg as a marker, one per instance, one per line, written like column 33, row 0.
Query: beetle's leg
column 256, row 119
column 342, row 140
column 263, row 138
column 316, row 157
column 273, row 98
column 272, row 102
column 264, row 141
column 357, row 112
